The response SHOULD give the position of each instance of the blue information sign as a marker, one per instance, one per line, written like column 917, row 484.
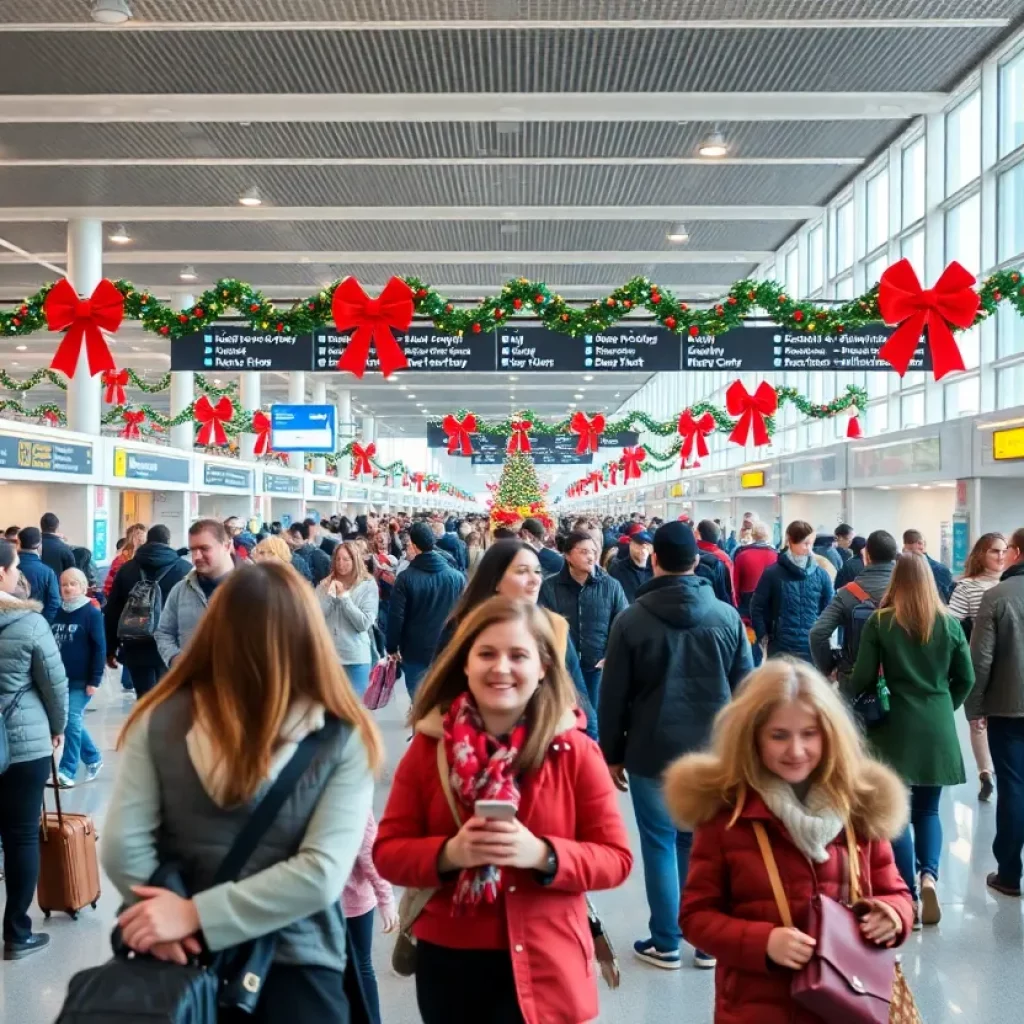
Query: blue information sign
column 278, row 483
column 302, row 428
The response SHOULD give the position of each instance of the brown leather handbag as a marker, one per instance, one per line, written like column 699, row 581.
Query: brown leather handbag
column 847, row 980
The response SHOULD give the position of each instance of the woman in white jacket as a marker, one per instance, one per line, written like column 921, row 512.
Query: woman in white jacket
column 349, row 598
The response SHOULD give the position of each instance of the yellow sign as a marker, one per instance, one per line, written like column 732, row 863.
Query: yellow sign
column 120, row 462
column 753, row 479
column 676, row 491
column 1008, row 444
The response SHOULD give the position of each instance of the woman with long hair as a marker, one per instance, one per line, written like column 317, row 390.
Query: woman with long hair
column 199, row 751
column 505, row 937
column 349, row 599
column 786, row 767
column 475, row 548
column 984, row 568
column 511, row 568
column 134, row 537
column 275, row 549
column 920, row 649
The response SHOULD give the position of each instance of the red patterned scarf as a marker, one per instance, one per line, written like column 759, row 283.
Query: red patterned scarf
column 482, row 768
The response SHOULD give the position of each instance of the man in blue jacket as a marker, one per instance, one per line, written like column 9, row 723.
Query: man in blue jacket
column 448, row 541
column 55, row 552
column 42, row 580
column 633, row 572
column 422, row 599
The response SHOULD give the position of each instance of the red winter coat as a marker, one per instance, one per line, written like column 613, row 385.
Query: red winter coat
column 748, row 564
column 728, row 907
column 571, row 803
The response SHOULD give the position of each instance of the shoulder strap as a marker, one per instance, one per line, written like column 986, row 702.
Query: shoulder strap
column 267, row 810
column 854, row 859
column 446, row 783
column 773, row 874
column 858, row 592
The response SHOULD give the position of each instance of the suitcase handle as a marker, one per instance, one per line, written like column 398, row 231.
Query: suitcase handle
column 56, row 796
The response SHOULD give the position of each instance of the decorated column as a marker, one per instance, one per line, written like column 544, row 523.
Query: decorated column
column 85, row 271
column 319, row 398
column 183, row 386
column 346, row 431
column 369, row 430
column 297, row 396
column 249, row 400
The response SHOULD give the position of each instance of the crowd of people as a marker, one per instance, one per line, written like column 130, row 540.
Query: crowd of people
column 794, row 704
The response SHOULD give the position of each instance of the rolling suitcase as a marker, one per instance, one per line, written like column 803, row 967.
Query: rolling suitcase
column 69, row 875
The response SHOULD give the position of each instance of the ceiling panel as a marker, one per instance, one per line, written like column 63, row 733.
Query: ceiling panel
column 489, row 60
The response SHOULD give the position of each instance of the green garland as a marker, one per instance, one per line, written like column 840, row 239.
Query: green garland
column 36, row 413
column 519, row 297
column 163, row 383
column 399, row 468
column 13, row 384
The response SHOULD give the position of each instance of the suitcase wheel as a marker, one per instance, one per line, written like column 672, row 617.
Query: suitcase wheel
column 47, row 913
column 93, row 904
column 73, row 914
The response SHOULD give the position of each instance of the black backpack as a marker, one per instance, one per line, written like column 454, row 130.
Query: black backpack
column 862, row 611
column 141, row 614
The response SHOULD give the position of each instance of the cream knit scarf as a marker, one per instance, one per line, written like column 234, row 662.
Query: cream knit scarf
column 811, row 823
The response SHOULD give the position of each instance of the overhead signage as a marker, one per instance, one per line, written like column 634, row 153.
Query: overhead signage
column 278, row 483
column 437, row 438
column 227, row 476
column 755, row 478
column 145, row 466
column 547, row 450
column 325, row 489
column 231, row 348
column 356, row 494
column 302, row 428
column 1008, row 444
column 30, row 453
column 424, row 349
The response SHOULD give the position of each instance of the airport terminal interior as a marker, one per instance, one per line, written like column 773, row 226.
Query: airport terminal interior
column 717, row 260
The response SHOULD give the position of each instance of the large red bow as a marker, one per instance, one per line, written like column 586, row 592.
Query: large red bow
column 261, row 428
column 115, row 382
column 902, row 300
column 417, row 479
column 132, row 421
column 694, row 431
column 520, row 439
column 362, row 458
column 212, row 419
column 458, row 432
column 751, row 410
column 84, row 320
column 589, row 430
column 631, row 459
column 372, row 320
column 433, row 486
column 595, row 479
column 52, row 418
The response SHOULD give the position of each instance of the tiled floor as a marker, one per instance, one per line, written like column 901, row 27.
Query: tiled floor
column 968, row 969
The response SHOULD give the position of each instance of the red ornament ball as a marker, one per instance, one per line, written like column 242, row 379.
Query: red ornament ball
column 144, row 298
column 798, row 315
column 782, row 298
column 719, row 310
column 565, row 317
column 183, row 317
column 732, row 300
column 611, row 301
column 627, row 303
column 840, row 328
column 517, row 303
column 280, row 327
column 670, row 322
column 421, row 293
column 476, row 328
column 655, row 298
column 254, row 308
column 539, row 299
column 751, row 295
column 997, row 296
column 23, row 310
column 165, row 329
column 694, row 330
column 499, row 314
column 312, row 305
column 1015, row 277
column 16, row 322
column 448, row 308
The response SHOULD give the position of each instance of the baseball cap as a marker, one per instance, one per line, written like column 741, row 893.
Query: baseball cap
column 641, row 537
column 635, row 528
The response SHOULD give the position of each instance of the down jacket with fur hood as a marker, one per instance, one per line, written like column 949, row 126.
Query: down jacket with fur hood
column 728, row 908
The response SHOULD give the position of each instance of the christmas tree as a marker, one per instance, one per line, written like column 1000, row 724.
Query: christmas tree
column 518, row 495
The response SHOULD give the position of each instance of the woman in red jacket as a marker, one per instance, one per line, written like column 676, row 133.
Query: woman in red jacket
column 785, row 754
column 505, row 939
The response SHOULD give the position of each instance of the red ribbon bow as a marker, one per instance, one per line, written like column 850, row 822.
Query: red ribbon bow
column 115, row 382
column 372, row 320
column 458, row 432
column 261, row 428
column 595, row 479
column 589, row 430
column 417, row 479
column 902, row 300
column 83, row 320
column 693, row 432
column 613, row 473
column 52, row 418
column 362, row 458
column 520, row 439
column 212, row 419
column 631, row 459
column 405, row 479
column 132, row 421
column 433, row 486
column 751, row 410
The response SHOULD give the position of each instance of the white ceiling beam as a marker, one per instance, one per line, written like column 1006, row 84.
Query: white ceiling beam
column 153, row 214
column 473, row 107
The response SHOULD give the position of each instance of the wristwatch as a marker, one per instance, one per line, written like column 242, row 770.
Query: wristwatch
column 547, row 874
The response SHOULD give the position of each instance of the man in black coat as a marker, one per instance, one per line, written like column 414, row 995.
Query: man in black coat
column 446, row 540
column 55, row 553
column 422, row 599
column 44, row 585
column 674, row 659
column 532, row 531
column 318, row 561
column 633, row 572
column 155, row 559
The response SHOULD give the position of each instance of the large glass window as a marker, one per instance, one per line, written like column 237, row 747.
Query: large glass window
column 792, row 273
column 815, row 258
column 877, row 209
column 844, row 235
column 1009, row 333
column 1011, row 212
column 963, row 397
column 1011, row 104
column 963, row 143
column 963, row 234
column 877, row 417
column 844, row 287
column 1010, row 387
column 913, row 183
column 873, row 269
column 912, row 248
column 912, row 411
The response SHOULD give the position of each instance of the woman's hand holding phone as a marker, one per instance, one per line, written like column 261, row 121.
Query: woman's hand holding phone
column 501, row 843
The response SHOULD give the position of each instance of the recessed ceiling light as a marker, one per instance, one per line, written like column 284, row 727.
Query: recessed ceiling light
column 111, row 12
column 572, row 405
column 512, row 376
column 188, row 274
column 588, row 376
column 410, row 395
column 403, row 387
column 714, row 145
column 119, row 236
column 419, row 405
column 216, row 382
column 21, row 348
column 577, row 396
column 677, row 233
column 616, row 395
column 136, row 348
column 251, row 197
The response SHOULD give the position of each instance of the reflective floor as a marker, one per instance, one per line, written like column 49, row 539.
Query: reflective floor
column 970, row 968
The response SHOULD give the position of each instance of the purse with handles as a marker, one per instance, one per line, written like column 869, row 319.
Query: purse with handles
column 848, row 980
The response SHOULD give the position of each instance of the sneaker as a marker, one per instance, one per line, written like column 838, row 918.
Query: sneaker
column 994, row 882
column 704, row 961
column 987, row 789
column 669, row 961
column 20, row 950
column 92, row 770
column 931, row 912
column 64, row 781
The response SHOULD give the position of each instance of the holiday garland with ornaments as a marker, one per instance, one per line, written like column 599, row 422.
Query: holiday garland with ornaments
column 519, row 494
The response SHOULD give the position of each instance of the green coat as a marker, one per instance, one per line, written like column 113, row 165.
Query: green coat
column 927, row 683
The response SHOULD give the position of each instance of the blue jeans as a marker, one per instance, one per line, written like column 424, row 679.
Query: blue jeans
column 666, row 856
column 413, row 673
column 1006, row 742
column 920, row 851
column 77, row 740
column 592, row 681
column 358, row 676
column 360, row 930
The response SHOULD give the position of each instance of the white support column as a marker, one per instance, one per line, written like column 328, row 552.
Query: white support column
column 297, row 396
column 346, row 430
column 85, row 271
column 249, row 399
column 183, row 384
column 319, row 398
column 369, row 430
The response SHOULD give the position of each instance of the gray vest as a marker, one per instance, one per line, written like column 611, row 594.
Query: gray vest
column 196, row 834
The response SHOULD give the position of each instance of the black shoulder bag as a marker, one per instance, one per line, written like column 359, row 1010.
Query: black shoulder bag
column 136, row 987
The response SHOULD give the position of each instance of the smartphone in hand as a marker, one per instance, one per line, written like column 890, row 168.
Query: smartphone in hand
column 495, row 810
